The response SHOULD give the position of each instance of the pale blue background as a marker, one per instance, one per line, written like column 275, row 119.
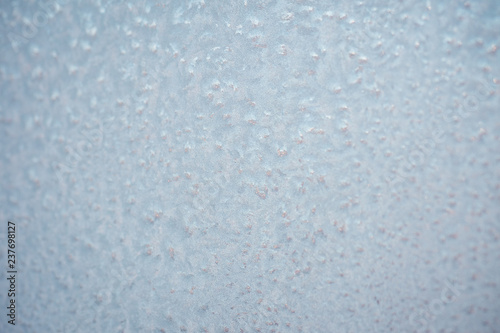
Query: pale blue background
column 272, row 166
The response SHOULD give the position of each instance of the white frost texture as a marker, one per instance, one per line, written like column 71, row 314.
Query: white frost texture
column 251, row 166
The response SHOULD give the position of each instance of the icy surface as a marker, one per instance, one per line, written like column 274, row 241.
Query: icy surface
column 252, row 166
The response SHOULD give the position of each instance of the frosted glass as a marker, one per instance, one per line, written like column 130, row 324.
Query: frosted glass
column 251, row 166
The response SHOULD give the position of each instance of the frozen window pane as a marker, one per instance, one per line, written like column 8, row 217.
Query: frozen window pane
column 246, row 166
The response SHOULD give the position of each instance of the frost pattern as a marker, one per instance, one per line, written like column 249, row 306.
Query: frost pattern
column 252, row 166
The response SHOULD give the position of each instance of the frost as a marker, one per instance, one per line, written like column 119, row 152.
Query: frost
column 246, row 166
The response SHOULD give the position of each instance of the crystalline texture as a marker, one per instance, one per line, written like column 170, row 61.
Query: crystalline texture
column 252, row 166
